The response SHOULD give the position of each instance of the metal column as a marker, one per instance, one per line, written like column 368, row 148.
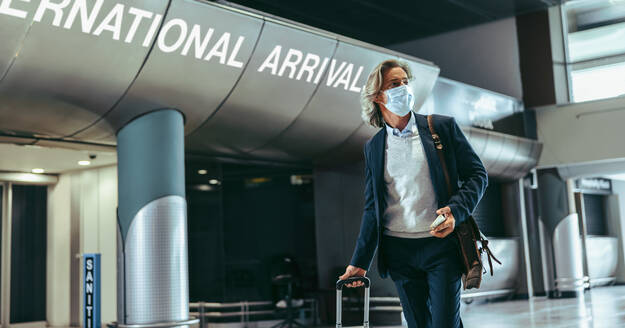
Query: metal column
column 526, row 250
column 153, row 287
column 560, row 237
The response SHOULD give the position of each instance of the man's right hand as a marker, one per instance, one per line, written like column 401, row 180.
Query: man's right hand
column 353, row 271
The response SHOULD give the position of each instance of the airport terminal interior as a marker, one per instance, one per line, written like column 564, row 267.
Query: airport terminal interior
column 197, row 163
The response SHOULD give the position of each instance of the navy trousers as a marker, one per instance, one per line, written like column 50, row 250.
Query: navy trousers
column 426, row 272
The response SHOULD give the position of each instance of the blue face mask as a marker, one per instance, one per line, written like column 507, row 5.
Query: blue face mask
column 400, row 100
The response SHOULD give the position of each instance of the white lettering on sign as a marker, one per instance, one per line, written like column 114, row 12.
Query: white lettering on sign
column 338, row 75
column 353, row 87
column 56, row 8
column 232, row 59
column 182, row 27
column 322, row 69
column 293, row 57
column 89, row 291
column 595, row 184
column 177, row 36
column 5, row 8
column 112, row 22
column 87, row 19
column 195, row 39
column 308, row 67
column 139, row 15
column 220, row 49
column 272, row 60
column 152, row 31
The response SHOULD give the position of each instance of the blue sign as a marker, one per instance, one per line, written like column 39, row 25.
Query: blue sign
column 91, row 279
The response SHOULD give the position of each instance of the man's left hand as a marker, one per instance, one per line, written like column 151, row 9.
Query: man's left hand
column 445, row 228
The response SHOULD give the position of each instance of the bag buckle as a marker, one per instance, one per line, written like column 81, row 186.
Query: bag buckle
column 437, row 141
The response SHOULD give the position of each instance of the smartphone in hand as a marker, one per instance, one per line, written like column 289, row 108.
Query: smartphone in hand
column 440, row 219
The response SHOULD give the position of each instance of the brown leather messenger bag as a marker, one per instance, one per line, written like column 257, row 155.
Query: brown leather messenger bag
column 467, row 232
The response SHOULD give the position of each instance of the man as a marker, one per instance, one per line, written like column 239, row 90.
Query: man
column 405, row 190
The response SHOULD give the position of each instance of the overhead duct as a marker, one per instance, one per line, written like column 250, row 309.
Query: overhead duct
column 504, row 156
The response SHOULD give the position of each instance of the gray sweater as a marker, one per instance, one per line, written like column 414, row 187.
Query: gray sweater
column 411, row 202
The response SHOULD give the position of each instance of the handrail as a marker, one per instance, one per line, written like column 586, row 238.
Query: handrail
column 237, row 304
column 156, row 325
column 206, row 310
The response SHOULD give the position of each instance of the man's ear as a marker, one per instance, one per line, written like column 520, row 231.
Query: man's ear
column 379, row 99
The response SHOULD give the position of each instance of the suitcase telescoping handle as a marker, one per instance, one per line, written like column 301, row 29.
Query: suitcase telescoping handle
column 339, row 298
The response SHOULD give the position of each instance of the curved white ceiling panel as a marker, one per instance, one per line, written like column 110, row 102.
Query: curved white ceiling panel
column 13, row 28
column 250, row 86
column 75, row 61
column 200, row 53
column 286, row 68
column 350, row 150
column 333, row 113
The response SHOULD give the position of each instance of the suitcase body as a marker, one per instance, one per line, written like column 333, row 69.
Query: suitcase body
column 339, row 299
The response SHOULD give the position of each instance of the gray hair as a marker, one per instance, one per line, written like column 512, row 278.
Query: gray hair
column 371, row 113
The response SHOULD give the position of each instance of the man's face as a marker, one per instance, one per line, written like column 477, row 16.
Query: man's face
column 392, row 78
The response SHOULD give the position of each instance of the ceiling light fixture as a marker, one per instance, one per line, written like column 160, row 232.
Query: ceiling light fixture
column 84, row 163
column 203, row 187
column 38, row 170
column 202, row 172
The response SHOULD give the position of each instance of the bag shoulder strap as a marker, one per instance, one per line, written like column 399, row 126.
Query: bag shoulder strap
column 441, row 156
column 439, row 151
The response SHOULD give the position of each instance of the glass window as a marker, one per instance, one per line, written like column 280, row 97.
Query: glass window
column 595, row 48
column 597, row 42
column 598, row 82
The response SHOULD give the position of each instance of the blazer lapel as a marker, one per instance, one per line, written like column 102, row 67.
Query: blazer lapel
column 377, row 168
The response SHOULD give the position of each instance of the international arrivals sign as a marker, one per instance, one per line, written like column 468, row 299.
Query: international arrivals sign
column 122, row 23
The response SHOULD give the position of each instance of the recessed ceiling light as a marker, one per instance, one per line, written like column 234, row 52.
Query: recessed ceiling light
column 38, row 170
column 203, row 187
column 213, row 181
column 202, row 172
column 83, row 163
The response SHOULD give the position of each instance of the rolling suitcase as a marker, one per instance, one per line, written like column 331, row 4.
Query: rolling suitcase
column 339, row 299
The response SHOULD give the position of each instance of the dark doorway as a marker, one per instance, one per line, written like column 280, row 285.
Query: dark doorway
column 595, row 216
column 28, row 253
column 1, row 215
column 241, row 218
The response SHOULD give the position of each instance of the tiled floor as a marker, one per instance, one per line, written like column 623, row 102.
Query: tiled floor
column 602, row 307
column 599, row 307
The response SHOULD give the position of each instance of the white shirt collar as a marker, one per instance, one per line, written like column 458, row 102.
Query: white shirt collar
column 410, row 126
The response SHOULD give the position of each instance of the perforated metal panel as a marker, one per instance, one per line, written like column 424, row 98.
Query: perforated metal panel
column 567, row 254
column 156, row 270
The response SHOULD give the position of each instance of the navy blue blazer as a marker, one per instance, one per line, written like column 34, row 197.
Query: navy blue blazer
column 467, row 175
